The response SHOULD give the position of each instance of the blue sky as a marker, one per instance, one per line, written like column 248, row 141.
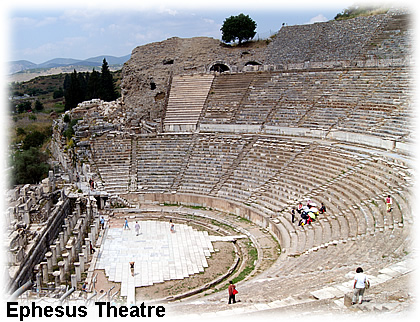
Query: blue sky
column 90, row 28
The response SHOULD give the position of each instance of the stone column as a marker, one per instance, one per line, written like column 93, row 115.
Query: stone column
column 73, row 281
column 62, row 271
column 69, row 249
column 54, row 254
column 92, row 238
column 44, row 267
column 73, row 220
column 95, row 223
column 65, row 233
column 62, row 244
column 83, row 225
column 26, row 218
column 57, row 247
column 82, row 262
column 38, row 282
column 95, row 208
column 76, row 234
column 88, row 210
column 93, row 229
column 66, row 261
column 51, row 180
column 77, row 270
column 56, row 278
column 37, row 268
column 78, row 207
column 48, row 255
column 85, row 250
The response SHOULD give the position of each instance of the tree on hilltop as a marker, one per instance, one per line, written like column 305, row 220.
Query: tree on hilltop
column 107, row 90
column 93, row 85
column 239, row 27
column 74, row 92
column 84, row 86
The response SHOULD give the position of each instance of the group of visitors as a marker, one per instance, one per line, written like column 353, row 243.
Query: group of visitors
column 307, row 213
column 137, row 226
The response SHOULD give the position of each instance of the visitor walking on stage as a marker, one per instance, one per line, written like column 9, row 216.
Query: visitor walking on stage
column 126, row 224
column 232, row 292
column 360, row 284
column 137, row 228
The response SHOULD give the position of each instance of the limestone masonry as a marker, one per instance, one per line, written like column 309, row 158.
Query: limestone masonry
column 235, row 136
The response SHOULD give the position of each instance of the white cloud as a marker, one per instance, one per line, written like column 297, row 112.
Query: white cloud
column 163, row 9
column 46, row 21
column 210, row 21
column 318, row 18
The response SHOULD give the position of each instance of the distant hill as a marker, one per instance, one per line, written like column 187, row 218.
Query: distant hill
column 24, row 65
column 18, row 65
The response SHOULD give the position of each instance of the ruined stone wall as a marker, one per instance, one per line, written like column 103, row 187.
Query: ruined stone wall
column 146, row 76
column 328, row 41
column 40, row 245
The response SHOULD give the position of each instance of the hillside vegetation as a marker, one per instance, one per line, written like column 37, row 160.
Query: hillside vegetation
column 358, row 11
column 33, row 106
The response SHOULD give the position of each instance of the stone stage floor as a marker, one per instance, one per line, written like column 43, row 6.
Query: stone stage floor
column 158, row 253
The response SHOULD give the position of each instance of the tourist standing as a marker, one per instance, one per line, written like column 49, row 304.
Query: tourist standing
column 388, row 201
column 322, row 209
column 232, row 292
column 102, row 222
column 359, row 286
column 293, row 215
column 137, row 228
column 132, row 268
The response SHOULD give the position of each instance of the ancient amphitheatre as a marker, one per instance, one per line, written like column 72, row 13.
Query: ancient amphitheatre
column 227, row 140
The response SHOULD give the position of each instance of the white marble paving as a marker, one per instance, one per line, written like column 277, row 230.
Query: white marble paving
column 158, row 254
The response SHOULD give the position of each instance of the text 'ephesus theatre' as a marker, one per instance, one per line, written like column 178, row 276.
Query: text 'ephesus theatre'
column 322, row 112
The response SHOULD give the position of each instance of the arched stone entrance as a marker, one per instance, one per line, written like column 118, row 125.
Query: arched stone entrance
column 253, row 63
column 219, row 68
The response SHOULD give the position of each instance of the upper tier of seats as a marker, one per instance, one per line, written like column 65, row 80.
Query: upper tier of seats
column 380, row 36
column 363, row 100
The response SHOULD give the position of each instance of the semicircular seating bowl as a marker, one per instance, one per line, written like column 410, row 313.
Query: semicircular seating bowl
column 268, row 173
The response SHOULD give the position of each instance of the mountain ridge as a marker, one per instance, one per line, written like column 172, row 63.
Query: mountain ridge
column 25, row 65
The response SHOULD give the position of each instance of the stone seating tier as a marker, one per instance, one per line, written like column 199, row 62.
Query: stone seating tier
column 362, row 100
column 186, row 99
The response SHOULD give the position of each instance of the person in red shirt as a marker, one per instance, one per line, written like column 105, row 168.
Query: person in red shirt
column 232, row 291
column 388, row 201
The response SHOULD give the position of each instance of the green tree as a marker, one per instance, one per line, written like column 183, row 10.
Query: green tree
column 93, row 85
column 58, row 93
column 29, row 166
column 33, row 139
column 38, row 106
column 107, row 90
column 24, row 107
column 239, row 27
column 74, row 93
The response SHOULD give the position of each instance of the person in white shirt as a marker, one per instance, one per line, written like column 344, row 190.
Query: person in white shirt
column 137, row 228
column 360, row 284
